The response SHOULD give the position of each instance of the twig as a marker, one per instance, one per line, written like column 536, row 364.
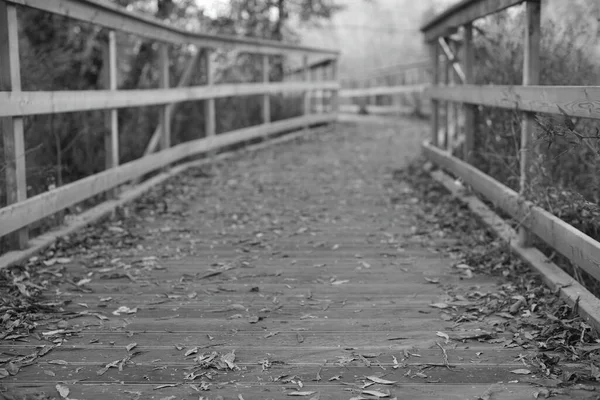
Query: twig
column 446, row 363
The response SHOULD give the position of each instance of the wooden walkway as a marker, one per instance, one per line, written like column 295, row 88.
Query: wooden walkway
column 285, row 272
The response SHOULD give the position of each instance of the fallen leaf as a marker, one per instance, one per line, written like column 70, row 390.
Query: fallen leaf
column 439, row 305
column 443, row 335
column 432, row 280
column 521, row 371
column 339, row 282
column 301, row 393
column 376, row 393
column 131, row 346
column 191, row 351
column 63, row 391
column 58, row 362
column 3, row 373
column 125, row 310
column 381, row 381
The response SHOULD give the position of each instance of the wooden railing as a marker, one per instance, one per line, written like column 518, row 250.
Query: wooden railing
column 16, row 104
column 395, row 89
column 526, row 99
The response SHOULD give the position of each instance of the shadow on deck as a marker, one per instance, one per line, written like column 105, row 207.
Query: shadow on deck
column 297, row 270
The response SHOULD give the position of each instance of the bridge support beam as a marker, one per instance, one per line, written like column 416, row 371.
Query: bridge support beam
column 12, row 127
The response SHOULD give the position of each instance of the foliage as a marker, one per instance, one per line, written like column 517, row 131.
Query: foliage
column 566, row 162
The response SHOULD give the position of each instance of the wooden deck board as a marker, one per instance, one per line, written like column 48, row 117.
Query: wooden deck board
column 303, row 236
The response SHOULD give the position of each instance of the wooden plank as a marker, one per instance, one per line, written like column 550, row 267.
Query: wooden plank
column 39, row 102
column 306, row 79
column 576, row 101
column 165, row 115
column 381, row 90
column 570, row 242
column 183, row 81
column 12, row 127
column 447, row 66
column 531, row 76
column 571, row 291
column 434, row 54
column 264, row 389
column 335, row 93
column 462, row 13
column 111, row 135
column 110, row 16
column 469, row 109
column 266, row 100
column 35, row 208
column 210, row 122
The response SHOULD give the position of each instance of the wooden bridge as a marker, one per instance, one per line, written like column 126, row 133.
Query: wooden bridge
column 288, row 258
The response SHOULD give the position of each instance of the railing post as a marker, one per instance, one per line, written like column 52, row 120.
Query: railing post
column 165, row 111
column 306, row 78
column 334, row 93
column 111, row 135
column 266, row 105
column 468, row 63
column 447, row 72
column 435, row 116
column 209, row 104
column 531, row 76
column 12, row 127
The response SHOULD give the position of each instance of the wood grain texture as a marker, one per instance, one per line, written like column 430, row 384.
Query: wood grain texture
column 531, row 76
column 576, row 101
column 12, row 130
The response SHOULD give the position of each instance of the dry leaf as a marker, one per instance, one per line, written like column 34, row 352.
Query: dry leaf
column 131, row 346
column 376, row 393
column 125, row 310
column 443, row 335
column 432, row 280
column 63, row 391
column 439, row 305
column 301, row 393
column 521, row 371
column 3, row 373
column 191, row 351
column 58, row 362
column 339, row 282
column 381, row 381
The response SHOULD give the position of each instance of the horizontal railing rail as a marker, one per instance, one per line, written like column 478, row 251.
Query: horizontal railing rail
column 456, row 86
column 113, row 17
column 15, row 104
column 395, row 89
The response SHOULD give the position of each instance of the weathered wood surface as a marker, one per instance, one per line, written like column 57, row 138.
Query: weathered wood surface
column 293, row 258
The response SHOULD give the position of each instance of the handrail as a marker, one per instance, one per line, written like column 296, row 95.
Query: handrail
column 525, row 99
column 16, row 104
column 111, row 16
